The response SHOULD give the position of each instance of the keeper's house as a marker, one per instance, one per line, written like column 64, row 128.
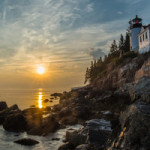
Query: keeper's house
column 139, row 36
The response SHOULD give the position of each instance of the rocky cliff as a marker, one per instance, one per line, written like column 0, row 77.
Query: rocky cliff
column 114, row 110
column 117, row 106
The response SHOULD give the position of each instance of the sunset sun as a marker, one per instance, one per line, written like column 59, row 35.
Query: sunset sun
column 40, row 70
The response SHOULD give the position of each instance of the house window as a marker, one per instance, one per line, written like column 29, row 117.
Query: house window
column 146, row 36
column 140, row 39
column 143, row 37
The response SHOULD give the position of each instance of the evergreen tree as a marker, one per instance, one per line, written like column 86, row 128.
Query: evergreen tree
column 121, row 44
column 105, row 58
column 87, row 75
column 95, row 63
column 127, row 42
column 113, row 47
column 91, row 70
column 99, row 61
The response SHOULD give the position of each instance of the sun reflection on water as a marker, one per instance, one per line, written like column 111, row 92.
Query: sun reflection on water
column 40, row 99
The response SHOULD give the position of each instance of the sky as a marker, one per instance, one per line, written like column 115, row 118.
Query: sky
column 61, row 35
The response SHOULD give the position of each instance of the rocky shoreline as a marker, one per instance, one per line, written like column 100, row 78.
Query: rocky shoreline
column 114, row 112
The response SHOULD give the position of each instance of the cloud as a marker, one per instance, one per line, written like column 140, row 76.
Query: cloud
column 90, row 8
column 96, row 53
column 59, row 31
column 120, row 12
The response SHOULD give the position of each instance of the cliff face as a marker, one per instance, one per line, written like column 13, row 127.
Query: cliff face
column 134, row 122
column 122, row 97
column 118, row 75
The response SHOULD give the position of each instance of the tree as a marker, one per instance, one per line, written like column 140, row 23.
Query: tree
column 113, row 47
column 121, row 44
column 87, row 75
column 127, row 42
column 99, row 61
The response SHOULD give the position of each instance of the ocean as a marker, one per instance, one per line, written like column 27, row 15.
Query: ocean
column 26, row 98
column 45, row 143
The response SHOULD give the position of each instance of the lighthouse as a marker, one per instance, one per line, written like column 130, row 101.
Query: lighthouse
column 135, row 28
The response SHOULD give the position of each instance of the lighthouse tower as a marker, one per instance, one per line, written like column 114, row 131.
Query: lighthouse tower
column 135, row 28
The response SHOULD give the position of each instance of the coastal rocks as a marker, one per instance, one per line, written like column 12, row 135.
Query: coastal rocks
column 15, row 123
column 141, row 90
column 3, row 105
column 113, row 101
column 109, row 82
column 13, row 107
column 43, row 126
column 26, row 141
column 128, row 70
column 135, row 129
column 144, row 71
column 66, row 111
column 82, row 112
column 115, row 76
column 46, row 101
column 98, row 132
column 66, row 146
column 8, row 111
column 84, row 147
column 73, row 137
column 68, row 120
column 95, row 132
column 56, row 94
column 50, row 124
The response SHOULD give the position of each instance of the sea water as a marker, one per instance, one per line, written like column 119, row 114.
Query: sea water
column 45, row 143
column 24, row 98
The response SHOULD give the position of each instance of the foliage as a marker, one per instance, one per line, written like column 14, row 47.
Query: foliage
column 113, row 47
column 116, row 56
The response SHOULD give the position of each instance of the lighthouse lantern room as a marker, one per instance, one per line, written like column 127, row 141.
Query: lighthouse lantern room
column 135, row 28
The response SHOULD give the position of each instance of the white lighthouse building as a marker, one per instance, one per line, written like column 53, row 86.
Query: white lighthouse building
column 139, row 36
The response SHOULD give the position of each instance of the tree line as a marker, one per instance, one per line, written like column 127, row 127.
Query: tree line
column 98, row 67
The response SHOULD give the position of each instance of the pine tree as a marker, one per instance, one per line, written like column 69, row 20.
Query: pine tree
column 87, row 75
column 113, row 47
column 105, row 58
column 122, row 44
column 99, row 61
column 127, row 43
column 91, row 70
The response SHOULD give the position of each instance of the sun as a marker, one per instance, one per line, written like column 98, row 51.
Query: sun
column 40, row 70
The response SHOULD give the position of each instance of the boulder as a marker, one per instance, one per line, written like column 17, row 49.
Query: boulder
column 68, row 120
column 56, row 94
column 32, row 111
column 98, row 131
column 73, row 137
column 15, row 123
column 26, row 141
column 135, row 129
column 55, row 139
column 84, row 147
column 9, row 111
column 3, row 105
column 66, row 146
column 115, row 102
column 66, row 111
column 50, row 124
column 144, row 71
column 13, row 107
column 141, row 90
column 82, row 112
column 95, row 132
column 42, row 126
column 48, row 108
column 46, row 101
